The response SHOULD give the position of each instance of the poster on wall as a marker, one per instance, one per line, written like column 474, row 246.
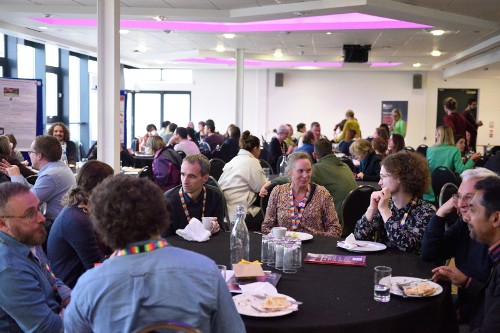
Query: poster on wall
column 388, row 106
column 18, row 110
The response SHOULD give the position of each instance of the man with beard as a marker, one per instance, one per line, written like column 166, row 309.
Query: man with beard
column 472, row 264
column 61, row 133
column 31, row 297
column 470, row 114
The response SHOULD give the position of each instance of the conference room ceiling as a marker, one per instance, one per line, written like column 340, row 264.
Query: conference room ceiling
column 470, row 46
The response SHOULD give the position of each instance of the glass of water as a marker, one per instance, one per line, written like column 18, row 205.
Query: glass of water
column 267, row 172
column 382, row 284
column 289, row 257
column 278, row 253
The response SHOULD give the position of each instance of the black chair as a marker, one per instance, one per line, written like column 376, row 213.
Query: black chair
column 409, row 149
column 223, row 152
column 495, row 150
column 32, row 179
column 483, row 161
column 493, row 164
column 81, row 151
column 167, row 326
column 265, row 164
column 146, row 172
column 265, row 200
column 354, row 206
column 440, row 176
column 4, row 178
column 448, row 190
column 349, row 163
column 422, row 149
column 216, row 166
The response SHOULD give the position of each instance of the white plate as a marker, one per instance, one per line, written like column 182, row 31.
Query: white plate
column 303, row 236
column 244, row 304
column 406, row 279
column 365, row 246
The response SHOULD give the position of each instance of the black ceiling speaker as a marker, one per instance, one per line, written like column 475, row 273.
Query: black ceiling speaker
column 356, row 53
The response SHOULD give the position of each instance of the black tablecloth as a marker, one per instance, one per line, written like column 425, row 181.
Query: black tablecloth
column 340, row 298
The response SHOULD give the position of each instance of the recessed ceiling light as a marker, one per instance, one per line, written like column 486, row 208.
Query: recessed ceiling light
column 417, row 65
column 328, row 33
column 220, row 48
column 159, row 18
column 435, row 53
column 124, row 32
column 229, row 36
column 42, row 28
column 278, row 53
column 437, row 32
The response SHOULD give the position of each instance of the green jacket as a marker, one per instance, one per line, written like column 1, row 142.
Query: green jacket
column 400, row 128
column 336, row 176
column 450, row 157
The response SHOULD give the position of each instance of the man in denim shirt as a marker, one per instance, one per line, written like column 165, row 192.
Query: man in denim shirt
column 31, row 297
column 146, row 280
column 54, row 178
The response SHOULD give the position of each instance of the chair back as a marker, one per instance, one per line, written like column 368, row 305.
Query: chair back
column 440, row 176
column 265, row 164
column 349, row 163
column 167, row 326
column 81, row 151
column 216, row 166
column 446, row 193
column 145, row 173
column 354, row 206
column 223, row 152
column 422, row 149
column 409, row 149
column 32, row 179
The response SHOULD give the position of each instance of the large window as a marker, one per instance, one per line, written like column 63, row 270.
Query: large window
column 74, row 97
column 25, row 62
column 147, row 111
column 177, row 108
column 51, row 94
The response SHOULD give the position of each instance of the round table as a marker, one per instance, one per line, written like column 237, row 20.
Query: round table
column 340, row 298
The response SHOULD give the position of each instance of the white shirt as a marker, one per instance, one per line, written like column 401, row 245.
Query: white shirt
column 241, row 180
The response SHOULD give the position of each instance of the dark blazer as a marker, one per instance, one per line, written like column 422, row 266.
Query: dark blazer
column 371, row 170
column 71, row 152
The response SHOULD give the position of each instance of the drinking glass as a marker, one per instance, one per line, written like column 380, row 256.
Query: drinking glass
column 382, row 285
column 289, row 257
column 264, row 250
column 222, row 270
column 270, row 250
column 278, row 251
column 267, row 172
column 297, row 252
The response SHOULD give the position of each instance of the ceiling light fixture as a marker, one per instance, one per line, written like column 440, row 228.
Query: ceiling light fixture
column 159, row 18
column 220, row 48
column 437, row 32
column 42, row 28
column 229, row 36
column 417, row 65
column 328, row 33
column 278, row 53
column 435, row 53
column 124, row 32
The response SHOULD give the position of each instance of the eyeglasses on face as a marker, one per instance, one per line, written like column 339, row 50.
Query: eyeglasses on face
column 31, row 215
column 467, row 197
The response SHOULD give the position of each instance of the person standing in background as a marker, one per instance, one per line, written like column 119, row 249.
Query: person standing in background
column 458, row 124
column 470, row 114
column 398, row 125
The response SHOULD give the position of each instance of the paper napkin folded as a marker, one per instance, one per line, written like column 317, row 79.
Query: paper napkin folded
column 349, row 243
column 194, row 231
column 262, row 288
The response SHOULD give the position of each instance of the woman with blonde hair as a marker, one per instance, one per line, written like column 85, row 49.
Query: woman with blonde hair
column 398, row 125
column 445, row 153
column 166, row 163
column 369, row 166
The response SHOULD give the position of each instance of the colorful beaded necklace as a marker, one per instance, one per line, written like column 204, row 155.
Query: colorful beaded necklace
column 296, row 219
column 405, row 216
column 184, row 206
column 135, row 249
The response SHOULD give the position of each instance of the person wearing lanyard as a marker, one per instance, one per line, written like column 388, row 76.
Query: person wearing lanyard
column 31, row 297
column 301, row 205
column 396, row 212
column 193, row 198
column 146, row 280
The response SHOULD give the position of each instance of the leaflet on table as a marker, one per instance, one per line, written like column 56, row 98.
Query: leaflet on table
column 234, row 286
column 335, row 259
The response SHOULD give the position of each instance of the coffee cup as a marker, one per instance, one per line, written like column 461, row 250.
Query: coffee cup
column 208, row 223
column 278, row 232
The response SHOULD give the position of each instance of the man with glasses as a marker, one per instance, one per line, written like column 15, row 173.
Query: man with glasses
column 471, row 257
column 54, row 177
column 31, row 297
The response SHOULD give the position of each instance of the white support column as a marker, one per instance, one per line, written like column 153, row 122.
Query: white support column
column 240, row 76
column 108, row 84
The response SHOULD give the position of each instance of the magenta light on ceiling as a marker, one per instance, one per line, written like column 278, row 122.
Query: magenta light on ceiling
column 264, row 63
column 351, row 21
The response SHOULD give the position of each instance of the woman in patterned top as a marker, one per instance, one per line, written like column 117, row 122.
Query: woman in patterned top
column 301, row 205
column 397, row 212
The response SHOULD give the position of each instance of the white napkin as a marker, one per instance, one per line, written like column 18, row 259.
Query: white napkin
column 349, row 243
column 261, row 288
column 194, row 231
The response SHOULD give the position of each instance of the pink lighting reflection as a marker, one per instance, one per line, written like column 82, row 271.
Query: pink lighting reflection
column 351, row 21
column 263, row 63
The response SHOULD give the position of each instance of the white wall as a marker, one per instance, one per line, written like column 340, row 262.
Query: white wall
column 324, row 96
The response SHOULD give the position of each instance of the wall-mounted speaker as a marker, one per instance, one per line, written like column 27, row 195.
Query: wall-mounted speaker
column 356, row 53
column 279, row 79
column 417, row 81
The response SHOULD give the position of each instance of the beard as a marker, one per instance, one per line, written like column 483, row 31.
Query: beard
column 36, row 237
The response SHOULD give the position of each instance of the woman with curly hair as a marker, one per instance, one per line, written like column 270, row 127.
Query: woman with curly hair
column 72, row 246
column 397, row 212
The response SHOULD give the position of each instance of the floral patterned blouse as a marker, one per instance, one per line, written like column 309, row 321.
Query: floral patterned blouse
column 319, row 218
column 393, row 233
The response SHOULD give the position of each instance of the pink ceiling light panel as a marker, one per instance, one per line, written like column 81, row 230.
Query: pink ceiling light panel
column 351, row 21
